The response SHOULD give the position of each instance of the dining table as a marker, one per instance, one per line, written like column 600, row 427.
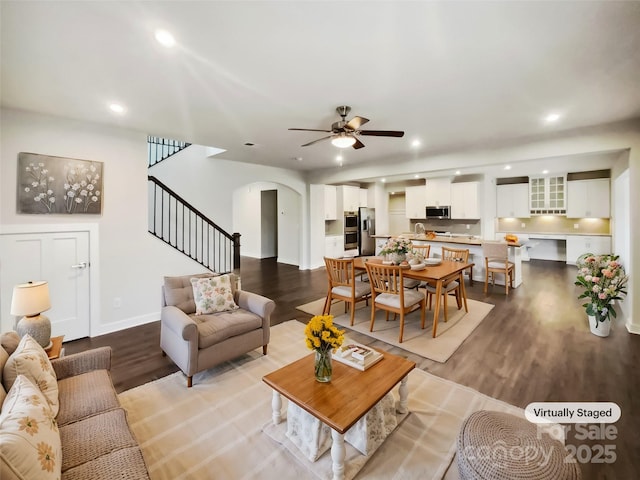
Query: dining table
column 439, row 274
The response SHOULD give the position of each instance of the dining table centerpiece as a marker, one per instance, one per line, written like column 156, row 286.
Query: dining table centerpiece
column 323, row 337
column 603, row 281
column 396, row 249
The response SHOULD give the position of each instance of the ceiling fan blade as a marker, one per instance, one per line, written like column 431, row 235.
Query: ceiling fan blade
column 381, row 133
column 310, row 130
column 356, row 122
column 358, row 144
column 316, row 141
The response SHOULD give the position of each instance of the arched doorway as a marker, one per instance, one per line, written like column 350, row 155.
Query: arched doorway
column 269, row 217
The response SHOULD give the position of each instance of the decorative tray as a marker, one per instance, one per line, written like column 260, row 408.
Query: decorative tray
column 419, row 266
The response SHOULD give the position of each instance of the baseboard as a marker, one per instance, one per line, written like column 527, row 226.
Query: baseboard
column 632, row 328
column 126, row 323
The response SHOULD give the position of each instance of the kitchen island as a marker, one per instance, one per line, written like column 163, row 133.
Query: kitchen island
column 474, row 245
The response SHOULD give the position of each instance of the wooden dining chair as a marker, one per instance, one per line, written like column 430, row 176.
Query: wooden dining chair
column 343, row 285
column 390, row 294
column 458, row 255
column 496, row 260
column 451, row 287
column 423, row 250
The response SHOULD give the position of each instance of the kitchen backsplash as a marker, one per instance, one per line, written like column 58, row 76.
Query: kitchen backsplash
column 554, row 224
column 451, row 226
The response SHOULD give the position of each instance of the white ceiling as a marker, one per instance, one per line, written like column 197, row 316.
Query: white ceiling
column 452, row 74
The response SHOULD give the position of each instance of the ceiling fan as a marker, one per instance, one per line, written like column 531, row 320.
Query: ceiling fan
column 343, row 132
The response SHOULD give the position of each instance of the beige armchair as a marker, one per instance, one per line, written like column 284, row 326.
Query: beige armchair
column 199, row 342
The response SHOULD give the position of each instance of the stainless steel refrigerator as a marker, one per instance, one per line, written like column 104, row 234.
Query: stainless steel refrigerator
column 366, row 230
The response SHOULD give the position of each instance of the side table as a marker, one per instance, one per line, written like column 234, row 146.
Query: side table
column 56, row 349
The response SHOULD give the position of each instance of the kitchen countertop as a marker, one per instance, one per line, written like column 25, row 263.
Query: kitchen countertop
column 460, row 239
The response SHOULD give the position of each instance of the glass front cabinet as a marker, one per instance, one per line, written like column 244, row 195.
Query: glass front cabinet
column 548, row 195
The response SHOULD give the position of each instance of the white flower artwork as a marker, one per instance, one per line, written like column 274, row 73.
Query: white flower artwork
column 50, row 185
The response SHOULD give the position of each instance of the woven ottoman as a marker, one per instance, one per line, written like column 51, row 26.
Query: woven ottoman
column 500, row 446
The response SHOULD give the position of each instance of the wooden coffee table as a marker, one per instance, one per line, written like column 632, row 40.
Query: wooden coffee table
column 341, row 402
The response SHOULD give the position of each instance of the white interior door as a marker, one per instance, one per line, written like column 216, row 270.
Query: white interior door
column 62, row 259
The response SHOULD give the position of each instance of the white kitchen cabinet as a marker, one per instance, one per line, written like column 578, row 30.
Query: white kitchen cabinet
column 588, row 198
column 415, row 201
column 438, row 192
column 512, row 201
column 464, row 200
column 580, row 244
column 334, row 246
column 330, row 202
column 363, row 197
column 350, row 198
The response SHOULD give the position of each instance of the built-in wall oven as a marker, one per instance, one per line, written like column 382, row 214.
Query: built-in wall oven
column 350, row 231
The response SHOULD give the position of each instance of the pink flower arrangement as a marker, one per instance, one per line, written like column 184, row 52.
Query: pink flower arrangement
column 603, row 279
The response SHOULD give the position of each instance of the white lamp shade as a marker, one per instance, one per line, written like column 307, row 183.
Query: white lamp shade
column 343, row 141
column 30, row 299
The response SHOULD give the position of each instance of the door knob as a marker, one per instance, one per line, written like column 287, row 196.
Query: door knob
column 80, row 265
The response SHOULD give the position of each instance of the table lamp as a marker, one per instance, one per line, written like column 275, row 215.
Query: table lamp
column 31, row 299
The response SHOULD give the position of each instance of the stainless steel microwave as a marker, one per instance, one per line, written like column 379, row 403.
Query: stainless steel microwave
column 438, row 212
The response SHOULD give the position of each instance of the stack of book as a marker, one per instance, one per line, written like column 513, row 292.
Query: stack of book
column 357, row 356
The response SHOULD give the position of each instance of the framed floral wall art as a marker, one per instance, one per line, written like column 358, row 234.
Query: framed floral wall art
column 59, row 185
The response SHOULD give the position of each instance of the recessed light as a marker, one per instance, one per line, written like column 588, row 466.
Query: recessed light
column 117, row 108
column 339, row 158
column 416, row 176
column 457, row 172
column 544, row 172
column 165, row 38
column 383, row 180
column 552, row 117
column 507, row 167
column 416, row 143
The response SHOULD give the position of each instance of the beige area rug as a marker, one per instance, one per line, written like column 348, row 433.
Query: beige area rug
column 450, row 334
column 215, row 428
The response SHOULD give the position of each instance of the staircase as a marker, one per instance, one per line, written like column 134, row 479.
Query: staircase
column 162, row 148
column 177, row 223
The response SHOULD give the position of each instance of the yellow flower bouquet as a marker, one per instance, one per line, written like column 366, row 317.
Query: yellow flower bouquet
column 323, row 337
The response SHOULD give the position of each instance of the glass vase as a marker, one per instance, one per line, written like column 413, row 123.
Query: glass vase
column 323, row 367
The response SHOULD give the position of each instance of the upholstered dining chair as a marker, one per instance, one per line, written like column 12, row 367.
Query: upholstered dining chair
column 343, row 285
column 390, row 294
column 423, row 250
column 496, row 260
column 452, row 286
column 458, row 255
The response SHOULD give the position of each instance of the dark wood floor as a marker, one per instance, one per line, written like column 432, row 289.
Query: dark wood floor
column 534, row 346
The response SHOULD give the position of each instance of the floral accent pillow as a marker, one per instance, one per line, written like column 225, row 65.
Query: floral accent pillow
column 32, row 361
column 213, row 294
column 30, row 442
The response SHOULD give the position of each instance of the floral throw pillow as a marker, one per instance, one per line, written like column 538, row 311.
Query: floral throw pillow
column 30, row 442
column 213, row 294
column 32, row 361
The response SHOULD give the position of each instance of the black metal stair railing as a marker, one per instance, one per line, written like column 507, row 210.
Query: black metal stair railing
column 162, row 148
column 177, row 223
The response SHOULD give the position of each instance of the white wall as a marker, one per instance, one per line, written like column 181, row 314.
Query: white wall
column 246, row 207
column 229, row 194
column 131, row 263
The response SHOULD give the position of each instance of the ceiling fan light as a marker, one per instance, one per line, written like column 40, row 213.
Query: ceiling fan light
column 343, row 141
